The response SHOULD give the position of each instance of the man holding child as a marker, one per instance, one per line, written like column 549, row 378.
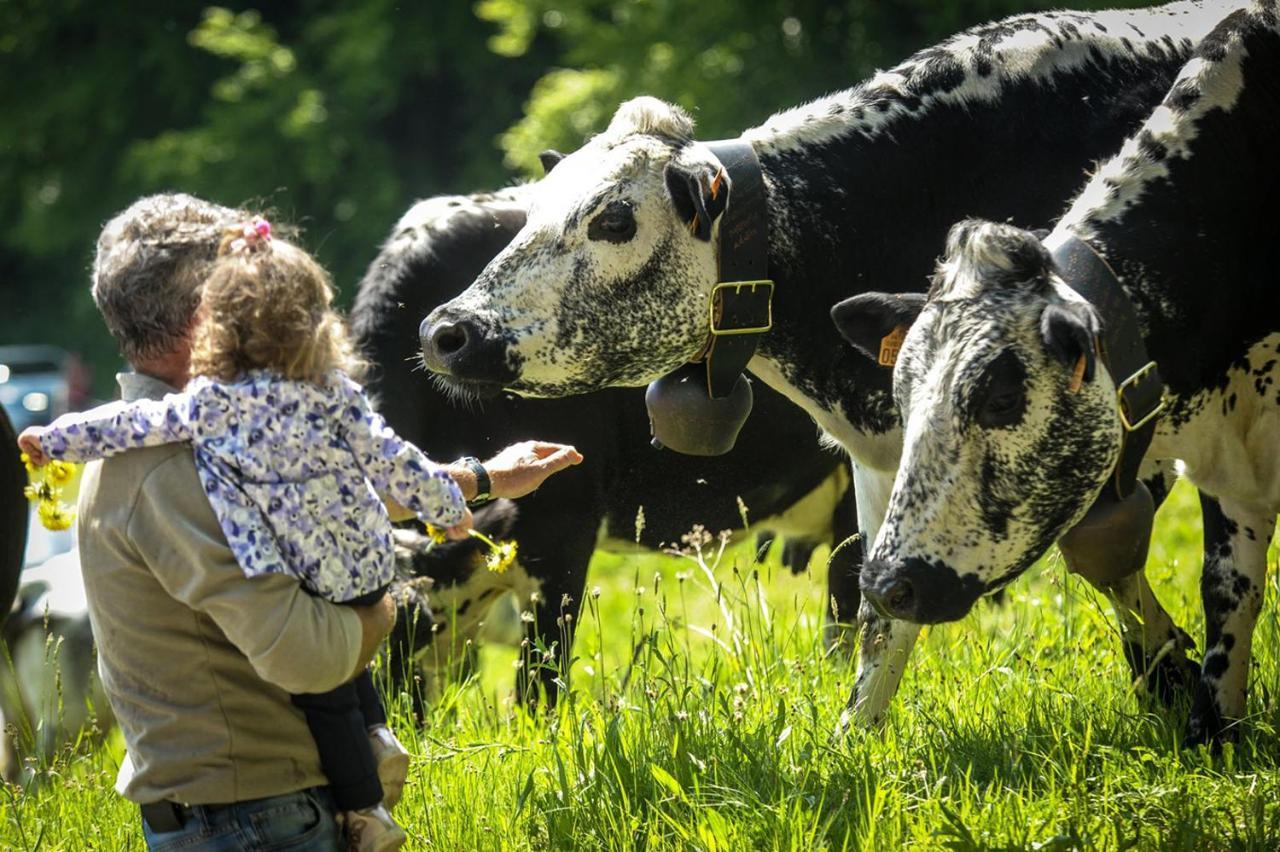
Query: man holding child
column 199, row 655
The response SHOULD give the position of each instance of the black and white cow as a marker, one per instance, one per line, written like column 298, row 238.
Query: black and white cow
column 14, row 514
column 1006, row 447
column 607, row 284
column 783, row 477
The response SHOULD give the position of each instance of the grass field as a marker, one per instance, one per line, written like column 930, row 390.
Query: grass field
column 700, row 712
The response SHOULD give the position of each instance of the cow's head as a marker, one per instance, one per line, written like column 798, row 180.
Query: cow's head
column 1010, row 427
column 607, row 283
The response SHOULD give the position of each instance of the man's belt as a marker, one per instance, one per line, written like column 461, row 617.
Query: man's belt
column 164, row 817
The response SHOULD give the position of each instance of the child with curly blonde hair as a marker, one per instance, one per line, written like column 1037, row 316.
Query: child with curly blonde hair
column 293, row 459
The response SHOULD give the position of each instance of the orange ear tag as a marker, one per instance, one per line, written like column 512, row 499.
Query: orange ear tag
column 891, row 345
column 715, row 184
column 1077, row 376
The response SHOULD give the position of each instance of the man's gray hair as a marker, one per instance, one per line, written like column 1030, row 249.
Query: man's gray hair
column 151, row 262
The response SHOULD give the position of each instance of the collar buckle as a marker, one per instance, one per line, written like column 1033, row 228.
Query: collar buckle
column 740, row 307
column 1144, row 372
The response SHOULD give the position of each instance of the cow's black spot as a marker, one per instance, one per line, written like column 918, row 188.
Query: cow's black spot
column 1215, row 664
column 1183, row 96
column 939, row 75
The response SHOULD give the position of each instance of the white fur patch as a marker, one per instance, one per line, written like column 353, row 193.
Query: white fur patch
column 1232, row 455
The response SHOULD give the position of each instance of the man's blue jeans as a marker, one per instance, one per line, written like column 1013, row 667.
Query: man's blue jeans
column 302, row 820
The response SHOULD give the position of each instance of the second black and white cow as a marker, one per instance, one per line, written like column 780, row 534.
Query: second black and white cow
column 610, row 279
column 1008, row 379
column 778, row 473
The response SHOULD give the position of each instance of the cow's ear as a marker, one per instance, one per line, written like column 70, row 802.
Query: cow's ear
column 549, row 158
column 699, row 193
column 1070, row 333
column 874, row 323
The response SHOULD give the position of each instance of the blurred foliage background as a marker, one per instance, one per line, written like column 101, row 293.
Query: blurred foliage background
column 338, row 115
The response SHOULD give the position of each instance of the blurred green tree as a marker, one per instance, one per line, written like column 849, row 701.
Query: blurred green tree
column 334, row 116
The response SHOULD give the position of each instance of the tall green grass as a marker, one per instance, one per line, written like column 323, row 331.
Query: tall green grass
column 700, row 711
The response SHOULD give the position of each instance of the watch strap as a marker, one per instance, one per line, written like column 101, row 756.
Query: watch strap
column 483, row 484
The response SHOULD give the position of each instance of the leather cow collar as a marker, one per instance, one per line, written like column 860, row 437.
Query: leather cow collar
column 1139, row 390
column 699, row 408
column 740, row 311
column 1110, row 542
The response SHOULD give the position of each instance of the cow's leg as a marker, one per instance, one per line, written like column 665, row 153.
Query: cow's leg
column 547, row 647
column 1154, row 646
column 885, row 644
column 796, row 553
column 409, row 638
column 843, row 595
column 884, row 647
column 1231, row 588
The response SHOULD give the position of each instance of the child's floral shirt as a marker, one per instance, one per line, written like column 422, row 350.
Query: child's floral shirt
column 292, row 469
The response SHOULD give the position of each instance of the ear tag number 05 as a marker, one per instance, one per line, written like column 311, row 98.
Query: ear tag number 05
column 891, row 345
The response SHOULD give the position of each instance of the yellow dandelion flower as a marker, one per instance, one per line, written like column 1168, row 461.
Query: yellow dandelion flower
column 55, row 516
column 435, row 534
column 60, row 472
column 41, row 491
column 26, row 462
column 501, row 557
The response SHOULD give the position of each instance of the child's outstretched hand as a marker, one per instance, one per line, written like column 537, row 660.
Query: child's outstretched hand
column 29, row 443
column 521, row 468
column 461, row 529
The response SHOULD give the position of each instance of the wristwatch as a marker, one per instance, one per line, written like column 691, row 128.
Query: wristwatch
column 483, row 484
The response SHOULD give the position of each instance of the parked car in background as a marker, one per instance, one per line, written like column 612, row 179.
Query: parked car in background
column 39, row 383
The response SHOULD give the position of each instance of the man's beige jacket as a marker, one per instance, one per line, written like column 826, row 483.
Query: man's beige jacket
column 198, row 660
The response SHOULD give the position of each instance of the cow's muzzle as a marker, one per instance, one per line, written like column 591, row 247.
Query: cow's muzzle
column 918, row 590
column 461, row 349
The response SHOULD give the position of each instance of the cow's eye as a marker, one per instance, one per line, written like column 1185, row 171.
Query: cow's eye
column 1001, row 409
column 1002, row 398
column 616, row 223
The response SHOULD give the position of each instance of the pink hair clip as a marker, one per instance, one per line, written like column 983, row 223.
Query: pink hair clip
column 259, row 230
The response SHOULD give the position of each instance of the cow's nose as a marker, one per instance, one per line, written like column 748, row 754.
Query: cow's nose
column 445, row 340
column 889, row 591
column 449, row 337
column 900, row 597
column 923, row 591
